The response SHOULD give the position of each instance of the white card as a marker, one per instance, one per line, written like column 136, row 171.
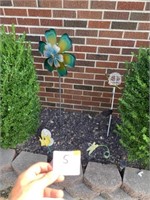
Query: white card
column 67, row 163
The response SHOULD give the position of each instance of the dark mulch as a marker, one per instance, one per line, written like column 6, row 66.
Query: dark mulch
column 76, row 130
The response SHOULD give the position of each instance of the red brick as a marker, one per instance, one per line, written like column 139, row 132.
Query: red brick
column 106, row 64
column 147, row 6
column 91, row 93
column 39, row 13
column 75, row 23
column 89, row 14
column 76, row 4
column 50, row 3
column 93, row 82
column 111, row 34
column 15, row 12
column 79, row 55
column 120, row 58
column 77, row 92
column 52, row 22
column 52, row 79
column 57, row 100
column 82, row 107
column 40, row 78
column 64, row 96
column 34, row 45
column 1, row 11
column 130, row 5
column 83, row 76
column 24, row 3
column 95, row 70
column 38, row 66
column 20, row 29
column 38, row 30
column 140, row 16
column 5, row 3
column 79, row 69
column 109, row 50
column 28, row 21
column 64, row 14
column 145, row 44
column 123, row 43
column 72, row 101
column 144, row 26
column 96, row 57
column 64, row 86
column 68, row 80
column 70, row 32
column 90, row 103
column 101, row 77
column 100, row 99
column 129, row 51
column 39, row 59
column 46, row 94
column 136, row 35
column 85, row 63
column 46, row 84
column 99, row 24
column 103, row 4
column 91, row 33
column 8, row 21
column 99, row 41
column 116, row 15
column 83, row 98
column 85, row 49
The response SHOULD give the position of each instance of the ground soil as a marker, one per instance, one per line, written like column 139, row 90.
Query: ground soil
column 76, row 130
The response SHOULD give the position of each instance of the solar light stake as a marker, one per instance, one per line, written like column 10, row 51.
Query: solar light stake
column 110, row 117
column 114, row 80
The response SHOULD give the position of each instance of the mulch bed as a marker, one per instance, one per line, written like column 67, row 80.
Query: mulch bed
column 76, row 130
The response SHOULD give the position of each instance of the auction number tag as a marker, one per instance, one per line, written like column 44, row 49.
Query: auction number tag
column 67, row 163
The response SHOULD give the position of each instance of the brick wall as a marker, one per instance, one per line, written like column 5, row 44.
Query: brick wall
column 104, row 34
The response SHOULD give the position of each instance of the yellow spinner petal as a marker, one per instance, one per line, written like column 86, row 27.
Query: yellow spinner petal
column 69, row 59
column 50, row 36
column 65, row 43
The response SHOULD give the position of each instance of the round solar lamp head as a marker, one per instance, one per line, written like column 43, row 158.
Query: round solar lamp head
column 114, row 79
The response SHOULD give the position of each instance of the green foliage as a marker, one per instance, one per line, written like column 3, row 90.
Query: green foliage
column 134, row 109
column 19, row 106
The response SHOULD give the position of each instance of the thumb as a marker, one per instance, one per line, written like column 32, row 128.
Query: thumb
column 48, row 179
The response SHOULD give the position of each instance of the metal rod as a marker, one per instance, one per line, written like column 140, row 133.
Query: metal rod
column 60, row 101
column 110, row 117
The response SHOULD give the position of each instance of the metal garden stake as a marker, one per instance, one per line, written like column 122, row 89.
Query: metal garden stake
column 114, row 80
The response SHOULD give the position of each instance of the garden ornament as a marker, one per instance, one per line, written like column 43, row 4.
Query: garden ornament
column 46, row 139
column 55, row 53
column 114, row 80
column 56, row 56
column 94, row 146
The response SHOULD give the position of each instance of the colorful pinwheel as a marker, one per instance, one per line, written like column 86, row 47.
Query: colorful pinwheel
column 57, row 58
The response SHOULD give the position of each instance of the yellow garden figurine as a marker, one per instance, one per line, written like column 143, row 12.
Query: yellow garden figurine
column 46, row 139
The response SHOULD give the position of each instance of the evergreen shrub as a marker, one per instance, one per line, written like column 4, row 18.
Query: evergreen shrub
column 134, row 109
column 20, row 105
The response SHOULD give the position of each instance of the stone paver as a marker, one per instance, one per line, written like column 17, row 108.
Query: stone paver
column 6, row 157
column 7, row 179
column 70, row 180
column 117, row 195
column 135, row 185
column 81, row 191
column 102, row 178
column 25, row 160
column 68, row 197
column 99, row 182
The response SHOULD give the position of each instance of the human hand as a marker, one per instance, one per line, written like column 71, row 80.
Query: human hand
column 32, row 183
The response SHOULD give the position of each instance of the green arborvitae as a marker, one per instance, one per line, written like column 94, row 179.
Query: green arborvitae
column 134, row 109
column 19, row 106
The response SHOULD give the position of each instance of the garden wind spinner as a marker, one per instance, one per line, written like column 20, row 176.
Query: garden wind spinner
column 55, row 53
column 114, row 80
column 56, row 56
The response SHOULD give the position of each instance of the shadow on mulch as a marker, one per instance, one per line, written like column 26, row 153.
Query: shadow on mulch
column 76, row 130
